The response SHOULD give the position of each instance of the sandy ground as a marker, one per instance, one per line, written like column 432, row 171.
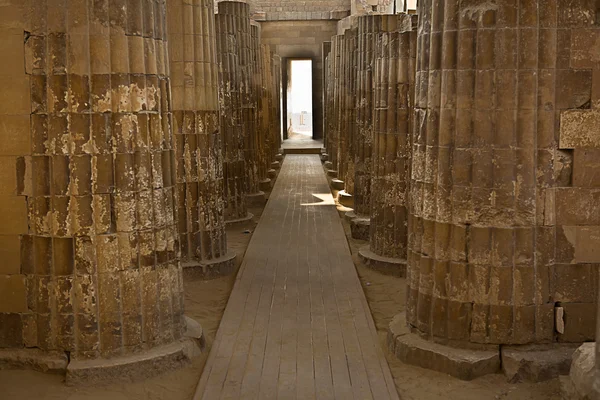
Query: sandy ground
column 206, row 300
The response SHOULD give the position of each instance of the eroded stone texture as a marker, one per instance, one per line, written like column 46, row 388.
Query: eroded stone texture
column 368, row 27
column 394, row 64
column 197, row 139
column 229, row 21
column 347, row 174
column 491, row 250
column 101, row 256
column 250, row 113
column 334, row 83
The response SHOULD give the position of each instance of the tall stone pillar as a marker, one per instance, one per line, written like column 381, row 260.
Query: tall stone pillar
column 101, row 254
column 500, row 196
column 347, row 156
column 250, row 93
column 334, row 121
column 276, row 129
column 394, row 66
column 369, row 26
column 265, row 107
column 197, row 139
column 342, row 116
column 229, row 23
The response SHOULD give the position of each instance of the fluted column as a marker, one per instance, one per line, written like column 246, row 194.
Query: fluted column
column 250, row 94
column 101, row 257
column 394, row 67
column 369, row 26
column 229, row 22
column 197, row 138
column 497, row 185
column 265, row 106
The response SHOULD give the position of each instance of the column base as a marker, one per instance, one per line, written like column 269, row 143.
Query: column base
column 275, row 165
column 345, row 199
column 279, row 157
column 132, row 367
column 360, row 226
column 328, row 165
column 210, row 269
column 257, row 199
column 324, row 157
column 54, row 362
column 265, row 185
column 272, row 173
column 337, row 184
column 332, row 173
column 581, row 384
column 464, row 364
column 243, row 220
column 385, row 265
column 537, row 363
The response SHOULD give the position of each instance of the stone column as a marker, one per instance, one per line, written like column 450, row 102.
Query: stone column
column 328, row 105
column 341, row 111
column 265, row 108
column 101, row 255
column 394, row 64
column 334, row 121
column 497, row 202
column 197, row 139
column 250, row 84
column 347, row 175
column 368, row 28
column 229, row 22
column 276, row 120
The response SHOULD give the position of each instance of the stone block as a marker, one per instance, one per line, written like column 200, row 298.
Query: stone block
column 360, row 228
column 579, row 385
column 132, row 367
column 577, row 206
column 580, row 129
column 35, row 359
column 464, row 364
column 580, row 322
column 586, row 168
column 11, row 330
column 536, row 363
column 10, row 255
column 14, row 133
column 13, row 294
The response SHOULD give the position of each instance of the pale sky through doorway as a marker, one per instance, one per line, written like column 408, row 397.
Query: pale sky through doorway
column 301, row 86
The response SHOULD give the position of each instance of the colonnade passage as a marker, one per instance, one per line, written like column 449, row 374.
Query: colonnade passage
column 460, row 147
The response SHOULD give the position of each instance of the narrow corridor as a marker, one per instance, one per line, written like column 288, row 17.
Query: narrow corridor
column 297, row 324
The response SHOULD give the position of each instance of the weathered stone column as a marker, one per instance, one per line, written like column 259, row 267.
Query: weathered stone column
column 328, row 105
column 496, row 250
column 368, row 27
column 394, row 76
column 347, row 174
column 197, row 138
column 341, row 114
column 229, row 22
column 250, row 92
column 101, row 255
column 265, row 107
column 334, row 121
column 276, row 120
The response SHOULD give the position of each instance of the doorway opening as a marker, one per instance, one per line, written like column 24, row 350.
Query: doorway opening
column 300, row 100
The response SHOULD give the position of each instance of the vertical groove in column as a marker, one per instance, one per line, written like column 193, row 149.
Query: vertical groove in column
column 368, row 27
column 484, row 225
column 392, row 121
column 228, row 27
column 197, row 139
column 102, row 264
column 251, row 82
column 350, row 107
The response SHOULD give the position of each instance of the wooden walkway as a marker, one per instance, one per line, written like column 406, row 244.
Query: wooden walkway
column 297, row 325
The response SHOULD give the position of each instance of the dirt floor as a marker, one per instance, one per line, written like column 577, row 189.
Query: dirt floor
column 205, row 302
